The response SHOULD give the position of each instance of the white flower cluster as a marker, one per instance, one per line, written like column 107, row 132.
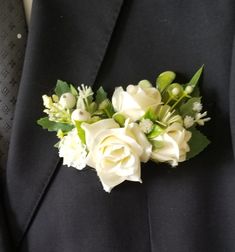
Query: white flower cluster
column 116, row 152
column 139, row 124
column 199, row 118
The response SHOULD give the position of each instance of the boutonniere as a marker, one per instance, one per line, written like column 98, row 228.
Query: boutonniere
column 140, row 123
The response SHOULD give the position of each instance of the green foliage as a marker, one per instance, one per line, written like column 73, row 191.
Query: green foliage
column 151, row 114
column 45, row 123
column 57, row 145
column 101, row 95
column 62, row 87
column 197, row 143
column 193, row 82
column 73, row 90
column 92, row 108
column 105, row 107
column 104, row 104
column 187, row 108
column 119, row 118
column 109, row 110
column 165, row 79
column 81, row 132
column 196, row 92
column 156, row 131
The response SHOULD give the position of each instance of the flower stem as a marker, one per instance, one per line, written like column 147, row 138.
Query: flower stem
column 169, row 99
column 107, row 113
column 178, row 101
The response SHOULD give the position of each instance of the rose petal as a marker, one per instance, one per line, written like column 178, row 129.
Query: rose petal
column 92, row 130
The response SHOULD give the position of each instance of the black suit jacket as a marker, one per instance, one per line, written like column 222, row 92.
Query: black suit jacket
column 52, row 208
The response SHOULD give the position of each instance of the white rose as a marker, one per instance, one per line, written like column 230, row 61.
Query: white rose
column 116, row 152
column 72, row 150
column 135, row 101
column 175, row 145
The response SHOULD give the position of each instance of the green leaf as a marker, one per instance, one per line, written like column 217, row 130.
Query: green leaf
column 62, row 87
column 81, row 132
column 197, row 143
column 165, row 79
column 119, row 118
column 101, row 95
column 196, row 92
column 187, row 108
column 106, row 107
column 92, row 107
column 109, row 110
column 156, row 131
column 193, row 82
column 151, row 114
column 104, row 104
column 57, row 145
column 45, row 123
column 73, row 90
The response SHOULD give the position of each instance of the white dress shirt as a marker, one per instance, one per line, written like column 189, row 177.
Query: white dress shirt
column 27, row 7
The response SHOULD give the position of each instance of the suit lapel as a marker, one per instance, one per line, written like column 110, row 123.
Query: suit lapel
column 68, row 43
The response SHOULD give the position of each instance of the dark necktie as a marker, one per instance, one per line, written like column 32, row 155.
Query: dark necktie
column 12, row 44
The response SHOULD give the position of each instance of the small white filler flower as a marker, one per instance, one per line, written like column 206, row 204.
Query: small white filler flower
column 200, row 118
column 197, row 106
column 146, row 125
column 188, row 121
column 72, row 150
column 85, row 91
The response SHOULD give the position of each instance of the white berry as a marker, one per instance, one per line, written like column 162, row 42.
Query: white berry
column 188, row 90
column 80, row 115
column 67, row 100
column 175, row 91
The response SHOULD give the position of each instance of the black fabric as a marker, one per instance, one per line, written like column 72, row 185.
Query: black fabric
column 5, row 238
column 51, row 207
